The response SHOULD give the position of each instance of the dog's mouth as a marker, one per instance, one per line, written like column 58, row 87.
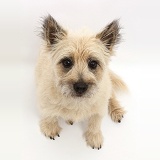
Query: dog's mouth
column 79, row 91
column 73, row 94
column 79, row 95
column 88, row 94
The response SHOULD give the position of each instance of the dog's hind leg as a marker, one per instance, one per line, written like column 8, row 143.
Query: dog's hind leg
column 115, row 110
column 70, row 122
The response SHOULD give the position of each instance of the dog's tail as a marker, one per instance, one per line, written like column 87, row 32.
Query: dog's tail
column 117, row 83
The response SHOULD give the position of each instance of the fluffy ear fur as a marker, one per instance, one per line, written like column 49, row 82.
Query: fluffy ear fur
column 110, row 36
column 52, row 31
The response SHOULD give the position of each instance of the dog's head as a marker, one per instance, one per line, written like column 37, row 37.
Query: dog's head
column 79, row 61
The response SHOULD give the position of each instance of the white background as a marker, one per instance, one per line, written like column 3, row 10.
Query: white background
column 137, row 61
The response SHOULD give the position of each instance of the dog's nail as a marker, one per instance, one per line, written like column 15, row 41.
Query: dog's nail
column 71, row 123
column 119, row 121
column 58, row 135
column 52, row 138
column 92, row 147
column 100, row 146
column 122, row 117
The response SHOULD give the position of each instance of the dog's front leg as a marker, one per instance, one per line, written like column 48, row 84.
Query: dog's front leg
column 93, row 134
column 115, row 110
column 50, row 127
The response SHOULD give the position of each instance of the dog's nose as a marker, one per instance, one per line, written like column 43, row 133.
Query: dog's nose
column 80, row 87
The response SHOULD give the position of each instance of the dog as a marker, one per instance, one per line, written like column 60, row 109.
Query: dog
column 74, row 81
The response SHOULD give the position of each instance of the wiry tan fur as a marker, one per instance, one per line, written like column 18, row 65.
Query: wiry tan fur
column 117, row 83
column 55, row 91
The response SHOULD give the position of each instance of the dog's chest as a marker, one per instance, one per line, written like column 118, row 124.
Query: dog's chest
column 80, row 113
column 77, row 114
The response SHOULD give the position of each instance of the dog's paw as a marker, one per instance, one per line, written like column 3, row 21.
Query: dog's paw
column 69, row 122
column 50, row 130
column 95, row 140
column 117, row 114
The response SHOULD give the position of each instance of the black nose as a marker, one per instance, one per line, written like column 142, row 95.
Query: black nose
column 80, row 87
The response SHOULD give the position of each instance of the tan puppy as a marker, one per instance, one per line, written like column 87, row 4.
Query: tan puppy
column 74, row 81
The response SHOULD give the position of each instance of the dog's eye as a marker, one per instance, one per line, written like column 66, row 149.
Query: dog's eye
column 67, row 63
column 92, row 64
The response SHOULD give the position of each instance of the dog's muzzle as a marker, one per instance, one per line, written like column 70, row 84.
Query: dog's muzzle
column 80, row 88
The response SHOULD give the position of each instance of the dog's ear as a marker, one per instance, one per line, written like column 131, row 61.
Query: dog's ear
column 52, row 31
column 110, row 36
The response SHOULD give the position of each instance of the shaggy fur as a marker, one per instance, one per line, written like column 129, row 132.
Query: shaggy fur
column 56, row 82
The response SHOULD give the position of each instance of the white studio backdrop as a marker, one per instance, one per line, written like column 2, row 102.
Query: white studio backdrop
column 137, row 60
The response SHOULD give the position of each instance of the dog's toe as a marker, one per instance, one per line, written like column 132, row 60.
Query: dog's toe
column 95, row 140
column 117, row 115
column 50, row 130
column 97, row 147
column 69, row 122
column 52, row 138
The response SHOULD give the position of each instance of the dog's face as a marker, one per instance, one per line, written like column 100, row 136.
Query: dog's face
column 79, row 61
column 79, row 66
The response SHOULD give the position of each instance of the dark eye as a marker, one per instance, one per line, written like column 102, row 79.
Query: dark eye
column 67, row 63
column 92, row 64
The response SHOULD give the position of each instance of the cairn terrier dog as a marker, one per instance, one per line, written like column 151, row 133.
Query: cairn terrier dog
column 74, row 81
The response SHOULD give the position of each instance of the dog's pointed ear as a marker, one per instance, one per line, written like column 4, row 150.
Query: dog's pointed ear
column 110, row 36
column 52, row 32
